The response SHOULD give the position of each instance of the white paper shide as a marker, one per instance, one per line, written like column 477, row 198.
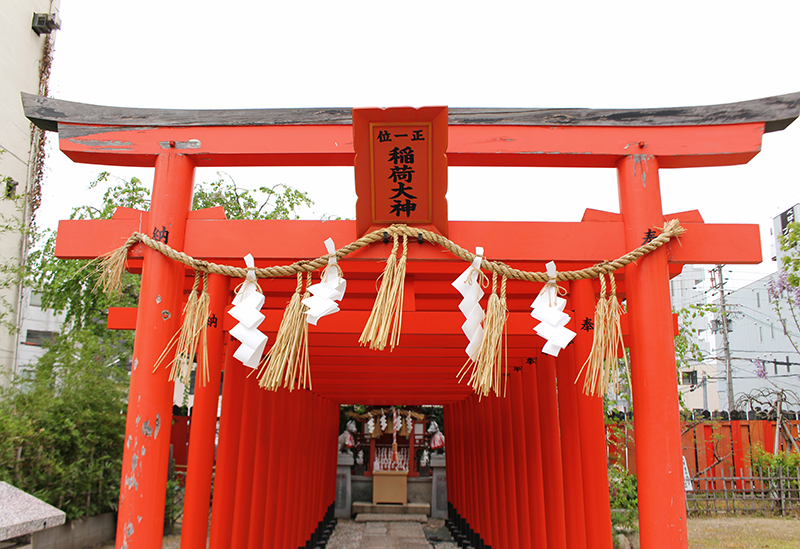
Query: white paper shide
column 247, row 311
column 548, row 308
column 330, row 290
column 468, row 285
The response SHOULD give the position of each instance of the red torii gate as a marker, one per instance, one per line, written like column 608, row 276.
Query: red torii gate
column 517, row 494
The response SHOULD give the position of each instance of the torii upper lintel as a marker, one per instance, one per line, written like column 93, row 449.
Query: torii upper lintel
column 713, row 135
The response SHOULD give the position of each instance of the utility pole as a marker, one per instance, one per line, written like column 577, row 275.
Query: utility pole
column 718, row 282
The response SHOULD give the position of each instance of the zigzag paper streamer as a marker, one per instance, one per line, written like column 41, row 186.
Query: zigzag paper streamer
column 468, row 285
column 330, row 290
column 548, row 308
column 247, row 310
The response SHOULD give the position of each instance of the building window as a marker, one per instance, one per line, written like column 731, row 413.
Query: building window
column 38, row 338
column 761, row 333
column 772, row 330
column 758, row 299
column 36, row 299
column 689, row 378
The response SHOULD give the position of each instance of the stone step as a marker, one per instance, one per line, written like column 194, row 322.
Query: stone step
column 360, row 507
column 388, row 517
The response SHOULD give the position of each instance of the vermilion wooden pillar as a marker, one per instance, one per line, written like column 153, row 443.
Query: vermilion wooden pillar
column 332, row 440
column 533, row 455
column 466, row 430
column 494, row 452
column 200, row 466
column 313, row 467
column 487, row 494
column 514, row 412
column 505, row 438
column 552, row 464
column 591, row 423
column 459, row 438
column 288, row 478
column 145, row 458
column 273, row 464
column 571, row 446
column 662, row 506
column 453, row 456
column 227, row 451
column 247, row 447
column 258, row 475
column 298, row 497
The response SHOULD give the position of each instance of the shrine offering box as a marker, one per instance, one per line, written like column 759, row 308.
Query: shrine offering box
column 390, row 487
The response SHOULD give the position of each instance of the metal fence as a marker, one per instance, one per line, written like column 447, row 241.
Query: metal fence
column 775, row 491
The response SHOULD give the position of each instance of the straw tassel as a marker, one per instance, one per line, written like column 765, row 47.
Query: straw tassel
column 602, row 363
column 192, row 332
column 398, row 293
column 112, row 265
column 386, row 317
column 614, row 318
column 487, row 365
column 286, row 363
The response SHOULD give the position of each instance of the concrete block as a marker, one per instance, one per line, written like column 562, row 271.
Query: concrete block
column 22, row 513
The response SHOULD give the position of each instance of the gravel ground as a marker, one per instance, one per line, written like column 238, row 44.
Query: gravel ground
column 704, row 533
column 367, row 535
column 744, row 533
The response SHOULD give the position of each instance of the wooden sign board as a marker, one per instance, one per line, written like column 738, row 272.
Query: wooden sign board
column 401, row 167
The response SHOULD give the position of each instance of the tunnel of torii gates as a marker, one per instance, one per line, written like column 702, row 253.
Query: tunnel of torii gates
column 524, row 470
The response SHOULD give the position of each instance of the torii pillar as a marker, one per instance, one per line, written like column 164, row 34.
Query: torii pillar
column 145, row 460
column 662, row 503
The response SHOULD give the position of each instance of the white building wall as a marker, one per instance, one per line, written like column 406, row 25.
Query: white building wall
column 696, row 381
column 20, row 54
column 36, row 324
column 756, row 333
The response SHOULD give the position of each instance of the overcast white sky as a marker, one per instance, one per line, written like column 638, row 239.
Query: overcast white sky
column 219, row 55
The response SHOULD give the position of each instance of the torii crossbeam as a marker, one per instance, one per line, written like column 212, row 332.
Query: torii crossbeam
column 514, row 496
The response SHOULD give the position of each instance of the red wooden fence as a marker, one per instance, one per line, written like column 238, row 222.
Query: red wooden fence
column 716, row 448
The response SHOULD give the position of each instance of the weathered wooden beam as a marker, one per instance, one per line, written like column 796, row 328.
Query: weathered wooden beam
column 777, row 112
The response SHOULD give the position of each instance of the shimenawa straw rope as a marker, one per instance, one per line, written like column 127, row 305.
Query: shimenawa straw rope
column 386, row 316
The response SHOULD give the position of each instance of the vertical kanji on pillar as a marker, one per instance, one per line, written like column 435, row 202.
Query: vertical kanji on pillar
column 571, row 445
column 591, row 424
column 200, row 466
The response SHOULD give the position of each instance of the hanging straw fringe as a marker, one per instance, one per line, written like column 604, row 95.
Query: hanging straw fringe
column 193, row 331
column 286, row 363
column 487, row 365
column 602, row 364
column 386, row 317
column 112, row 265
column 398, row 292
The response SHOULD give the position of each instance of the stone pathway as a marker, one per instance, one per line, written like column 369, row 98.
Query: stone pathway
column 383, row 534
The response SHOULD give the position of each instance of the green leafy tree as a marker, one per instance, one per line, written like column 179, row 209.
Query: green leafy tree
column 61, row 432
column 687, row 347
column 276, row 202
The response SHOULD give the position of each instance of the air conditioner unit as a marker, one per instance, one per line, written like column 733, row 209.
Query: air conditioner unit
column 45, row 23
